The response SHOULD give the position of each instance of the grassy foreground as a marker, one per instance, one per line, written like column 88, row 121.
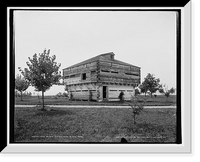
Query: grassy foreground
column 94, row 125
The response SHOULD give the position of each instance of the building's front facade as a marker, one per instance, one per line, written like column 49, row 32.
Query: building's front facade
column 101, row 78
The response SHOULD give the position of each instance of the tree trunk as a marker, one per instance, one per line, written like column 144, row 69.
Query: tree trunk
column 134, row 119
column 42, row 100
column 21, row 96
column 39, row 98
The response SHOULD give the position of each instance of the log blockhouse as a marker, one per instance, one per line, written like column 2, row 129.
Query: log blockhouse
column 101, row 78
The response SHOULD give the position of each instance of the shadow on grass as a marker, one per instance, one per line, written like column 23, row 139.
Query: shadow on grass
column 53, row 112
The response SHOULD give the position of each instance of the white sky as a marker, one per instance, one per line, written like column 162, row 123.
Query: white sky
column 143, row 38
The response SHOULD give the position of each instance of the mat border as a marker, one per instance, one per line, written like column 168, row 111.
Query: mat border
column 184, row 147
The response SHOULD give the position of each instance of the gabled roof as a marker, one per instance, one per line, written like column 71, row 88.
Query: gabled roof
column 108, row 57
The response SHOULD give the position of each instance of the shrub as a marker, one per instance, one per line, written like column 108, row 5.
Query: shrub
column 59, row 94
column 137, row 107
column 90, row 95
column 65, row 94
column 121, row 96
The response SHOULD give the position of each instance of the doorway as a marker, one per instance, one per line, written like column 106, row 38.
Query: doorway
column 104, row 92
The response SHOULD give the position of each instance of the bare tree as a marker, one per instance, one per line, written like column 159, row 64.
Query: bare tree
column 137, row 107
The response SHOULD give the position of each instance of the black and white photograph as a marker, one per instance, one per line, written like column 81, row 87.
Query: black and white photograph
column 96, row 76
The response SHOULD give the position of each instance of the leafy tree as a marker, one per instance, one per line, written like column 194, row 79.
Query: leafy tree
column 164, row 90
column 59, row 94
column 42, row 72
column 144, row 88
column 65, row 94
column 137, row 92
column 21, row 84
column 150, row 84
column 172, row 90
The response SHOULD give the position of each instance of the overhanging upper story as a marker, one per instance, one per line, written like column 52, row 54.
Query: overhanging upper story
column 103, row 68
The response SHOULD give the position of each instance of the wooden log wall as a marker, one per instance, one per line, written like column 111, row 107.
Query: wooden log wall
column 79, row 69
column 75, row 75
column 102, row 72
column 118, row 80
column 116, row 77
column 115, row 73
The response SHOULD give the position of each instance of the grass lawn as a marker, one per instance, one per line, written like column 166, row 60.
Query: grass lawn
column 50, row 100
column 94, row 125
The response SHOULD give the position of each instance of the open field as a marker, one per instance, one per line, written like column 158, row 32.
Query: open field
column 94, row 125
column 51, row 100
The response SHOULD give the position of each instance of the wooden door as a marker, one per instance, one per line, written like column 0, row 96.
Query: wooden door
column 104, row 92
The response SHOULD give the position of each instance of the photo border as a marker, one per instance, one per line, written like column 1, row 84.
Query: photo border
column 183, row 147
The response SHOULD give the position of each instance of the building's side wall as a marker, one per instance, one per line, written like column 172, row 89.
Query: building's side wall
column 113, row 92
column 119, row 74
column 83, row 92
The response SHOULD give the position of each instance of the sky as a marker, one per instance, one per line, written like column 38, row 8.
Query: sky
column 143, row 38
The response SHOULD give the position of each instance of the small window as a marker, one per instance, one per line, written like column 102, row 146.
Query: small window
column 129, row 90
column 116, row 72
column 65, row 77
column 105, row 71
column 132, row 74
column 84, row 90
column 84, row 76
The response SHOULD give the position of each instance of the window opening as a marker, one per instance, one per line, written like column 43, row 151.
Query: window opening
column 84, row 76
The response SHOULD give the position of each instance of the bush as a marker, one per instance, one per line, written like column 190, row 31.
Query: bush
column 55, row 97
column 59, row 94
column 65, row 94
column 137, row 107
column 121, row 96
column 90, row 95
column 137, row 92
